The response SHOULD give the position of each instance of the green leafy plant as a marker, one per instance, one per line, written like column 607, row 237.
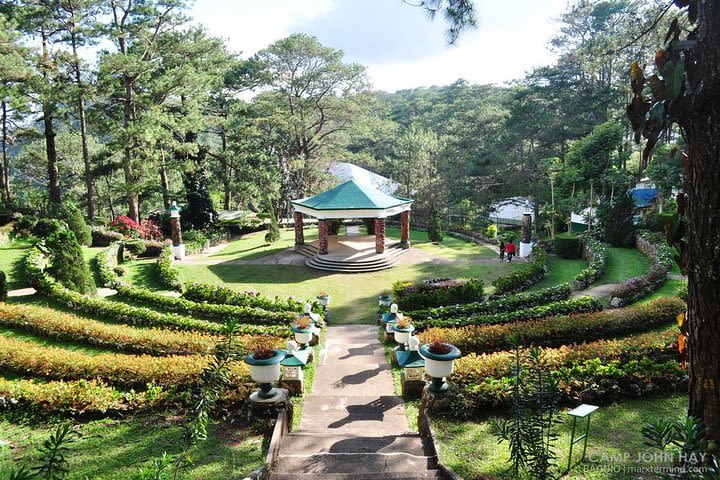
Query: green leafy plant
column 66, row 261
column 273, row 233
column 76, row 222
column 51, row 455
column 434, row 226
column 566, row 245
column 3, row 286
column 522, row 279
column 169, row 275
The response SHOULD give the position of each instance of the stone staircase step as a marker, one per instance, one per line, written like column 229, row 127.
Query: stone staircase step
column 301, row 442
column 359, row 463
column 421, row 475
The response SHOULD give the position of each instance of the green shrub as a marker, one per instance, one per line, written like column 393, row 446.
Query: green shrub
column 67, row 264
column 491, row 231
column 567, row 245
column 434, row 226
column 562, row 307
column 3, row 287
column 555, row 331
column 76, row 222
column 273, row 234
column 169, row 275
column 136, row 247
column 195, row 241
column 522, row 279
column 499, row 305
column 102, row 237
column 204, row 293
column 616, row 220
column 596, row 255
column 437, row 292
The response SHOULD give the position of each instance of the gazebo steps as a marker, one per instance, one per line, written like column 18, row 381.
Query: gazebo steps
column 308, row 250
column 319, row 263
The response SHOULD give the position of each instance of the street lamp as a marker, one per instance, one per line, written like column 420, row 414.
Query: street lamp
column 178, row 248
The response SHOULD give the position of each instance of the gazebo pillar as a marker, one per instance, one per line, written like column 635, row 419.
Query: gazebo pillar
column 405, row 229
column 379, row 235
column 323, row 226
column 299, row 233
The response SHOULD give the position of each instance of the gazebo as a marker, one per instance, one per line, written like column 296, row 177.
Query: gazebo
column 351, row 200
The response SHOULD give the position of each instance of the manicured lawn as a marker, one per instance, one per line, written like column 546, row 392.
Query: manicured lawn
column 253, row 245
column 112, row 449
column 451, row 247
column 10, row 254
column 470, row 450
column 622, row 264
column 670, row 289
column 560, row 270
column 353, row 296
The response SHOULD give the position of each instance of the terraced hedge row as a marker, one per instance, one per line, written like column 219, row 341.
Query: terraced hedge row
column 501, row 304
column 596, row 255
column 563, row 307
column 201, row 292
column 169, row 275
column 117, row 369
column 34, row 263
column 75, row 397
column 525, row 278
column 556, row 331
column 596, row 371
column 437, row 292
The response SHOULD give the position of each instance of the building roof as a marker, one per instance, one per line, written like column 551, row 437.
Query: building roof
column 352, row 200
column 344, row 171
column 644, row 197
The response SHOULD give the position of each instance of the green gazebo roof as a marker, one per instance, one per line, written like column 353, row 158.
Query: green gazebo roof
column 351, row 196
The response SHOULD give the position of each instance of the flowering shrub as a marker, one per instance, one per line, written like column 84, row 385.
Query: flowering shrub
column 129, row 228
column 596, row 254
column 169, row 276
column 501, row 304
column 555, row 331
column 437, row 292
column 563, row 307
column 525, row 278
column 654, row 246
column 201, row 292
column 118, row 369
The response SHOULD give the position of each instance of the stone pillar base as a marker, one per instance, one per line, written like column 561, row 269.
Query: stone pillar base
column 178, row 251
column 525, row 250
column 437, row 402
column 405, row 245
column 411, row 388
column 294, row 387
column 268, row 408
column 389, row 337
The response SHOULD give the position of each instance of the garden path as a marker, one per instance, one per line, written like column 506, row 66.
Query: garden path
column 353, row 424
column 598, row 291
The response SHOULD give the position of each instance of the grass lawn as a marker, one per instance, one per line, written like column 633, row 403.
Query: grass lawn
column 560, row 270
column 622, row 264
column 353, row 296
column 10, row 254
column 111, row 449
column 470, row 450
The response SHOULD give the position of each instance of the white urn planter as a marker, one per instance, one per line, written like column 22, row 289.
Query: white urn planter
column 439, row 366
column 265, row 371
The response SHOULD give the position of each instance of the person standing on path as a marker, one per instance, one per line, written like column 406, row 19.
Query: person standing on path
column 502, row 250
column 510, row 248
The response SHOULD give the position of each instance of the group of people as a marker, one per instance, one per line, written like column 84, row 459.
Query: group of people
column 508, row 248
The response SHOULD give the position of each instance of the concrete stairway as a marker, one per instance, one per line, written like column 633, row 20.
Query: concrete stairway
column 373, row 264
column 353, row 427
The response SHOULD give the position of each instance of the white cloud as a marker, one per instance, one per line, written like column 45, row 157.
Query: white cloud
column 251, row 25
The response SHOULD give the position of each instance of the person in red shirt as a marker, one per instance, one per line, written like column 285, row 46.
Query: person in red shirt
column 510, row 250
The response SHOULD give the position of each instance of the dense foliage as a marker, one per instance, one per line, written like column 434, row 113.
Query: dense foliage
column 67, row 264
column 526, row 277
column 437, row 292
column 200, row 292
column 567, row 245
column 169, row 275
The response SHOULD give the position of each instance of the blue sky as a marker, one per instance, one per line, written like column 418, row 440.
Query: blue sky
column 400, row 47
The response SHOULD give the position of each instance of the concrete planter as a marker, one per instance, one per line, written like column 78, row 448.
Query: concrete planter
column 439, row 366
column 402, row 335
column 384, row 301
column 302, row 335
column 323, row 300
column 266, row 371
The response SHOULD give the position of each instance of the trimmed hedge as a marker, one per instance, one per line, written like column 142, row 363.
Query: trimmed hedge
column 122, row 313
column 658, row 345
column 201, row 292
column 3, row 287
column 655, row 247
column 71, row 328
column 566, row 245
column 437, row 292
column 118, row 369
column 102, row 237
column 522, row 279
column 596, row 254
column 501, row 304
column 563, row 307
column 169, row 276
column 74, row 398
column 556, row 331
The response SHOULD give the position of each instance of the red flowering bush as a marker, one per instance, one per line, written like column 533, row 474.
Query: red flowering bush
column 147, row 230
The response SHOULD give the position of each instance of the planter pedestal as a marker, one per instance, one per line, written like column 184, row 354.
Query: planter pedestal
column 267, row 409
column 178, row 251
column 437, row 402
column 525, row 250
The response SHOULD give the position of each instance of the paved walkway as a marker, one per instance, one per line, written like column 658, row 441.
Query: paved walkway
column 353, row 425
column 598, row 291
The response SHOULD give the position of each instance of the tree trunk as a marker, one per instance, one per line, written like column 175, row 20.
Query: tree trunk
column 164, row 184
column 51, row 152
column 133, row 200
column 700, row 120
column 227, row 171
column 5, row 168
column 89, row 180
